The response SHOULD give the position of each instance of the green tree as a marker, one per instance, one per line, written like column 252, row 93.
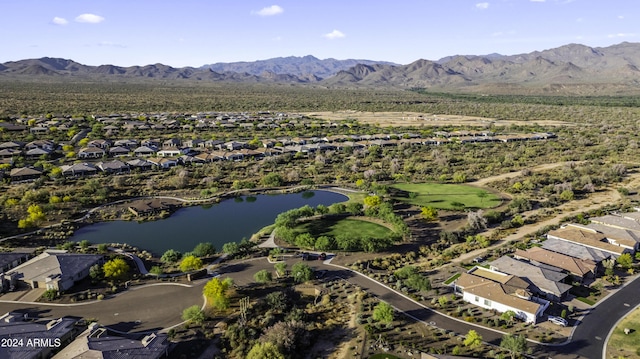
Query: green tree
column 193, row 314
column 625, row 260
column 171, row 256
column 508, row 316
column 204, row 249
column 281, row 268
column 266, row 350
column 190, row 263
column 383, row 313
column 301, row 272
column 262, row 276
column 324, row 243
column 459, row 177
column 50, row 294
column 515, row 344
column 84, row 245
column 429, row 214
column 272, row 180
column 372, row 201
column 231, row 248
column 103, row 248
column 305, row 240
column 216, row 292
column 473, row 339
column 96, row 273
column 115, row 269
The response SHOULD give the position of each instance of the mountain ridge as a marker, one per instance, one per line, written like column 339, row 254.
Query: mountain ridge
column 568, row 66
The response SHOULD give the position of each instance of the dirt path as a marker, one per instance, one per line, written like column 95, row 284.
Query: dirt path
column 484, row 181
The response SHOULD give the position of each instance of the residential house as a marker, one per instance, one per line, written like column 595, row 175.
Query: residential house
column 78, row 170
column 193, row 143
column 113, row 167
column 592, row 240
column 150, row 206
column 91, row 152
column 623, row 237
column 580, row 269
column 577, row 250
column 172, row 143
column 37, row 130
column 501, row 292
column 10, row 152
column 544, row 281
column 233, row 145
column 145, row 151
column 163, row 162
column 140, row 164
column 56, row 269
column 16, row 145
column 24, row 174
column 48, row 332
column 126, row 143
column 47, row 145
column 175, row 152
column 100, row 143
column 118, row 151
column 100, row 342
column 37, row 153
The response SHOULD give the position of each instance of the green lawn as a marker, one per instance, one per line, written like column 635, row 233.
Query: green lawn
column 445, row 196
column 352, row 227
column 623, row 345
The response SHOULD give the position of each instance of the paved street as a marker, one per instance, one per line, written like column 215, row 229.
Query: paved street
column 139, row 309
column 160, row 306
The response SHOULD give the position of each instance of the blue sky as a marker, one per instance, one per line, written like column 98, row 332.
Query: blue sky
column 198, row 32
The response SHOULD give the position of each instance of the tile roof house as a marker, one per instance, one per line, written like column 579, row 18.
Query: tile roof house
column 78, row 170
column 579, row 268
column 52, row 333
column 623, row 237
column 494, row 290
column 55, row 269
column 24, row 174
column 91, row 152
column 114, row 166
column 544, row 281
column 140, row 164
column 118, row 151
column 100, row 342
column 590, row 239
column 577, row 250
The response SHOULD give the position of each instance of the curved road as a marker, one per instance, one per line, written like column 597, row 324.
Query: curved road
column 587, row 340
column 146, row 308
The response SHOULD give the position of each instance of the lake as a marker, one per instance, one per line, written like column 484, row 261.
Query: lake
column 228, row 221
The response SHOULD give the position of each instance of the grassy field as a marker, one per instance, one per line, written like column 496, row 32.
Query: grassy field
column 621, row 345
column 446, row 196
column 346, row 226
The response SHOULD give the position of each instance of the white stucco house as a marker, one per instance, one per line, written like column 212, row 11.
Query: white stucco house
column 499, row 291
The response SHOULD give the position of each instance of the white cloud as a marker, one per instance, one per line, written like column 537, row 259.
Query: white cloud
column 621, row 34
column 59, row 21
column 620, row 17
column 335, row 34
column 269, row 11
column 482, row 5
column 89, row 18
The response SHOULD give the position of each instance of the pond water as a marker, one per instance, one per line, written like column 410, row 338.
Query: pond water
column 228, row 221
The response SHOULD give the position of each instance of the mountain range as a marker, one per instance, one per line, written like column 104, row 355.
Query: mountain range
column 572, row 66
